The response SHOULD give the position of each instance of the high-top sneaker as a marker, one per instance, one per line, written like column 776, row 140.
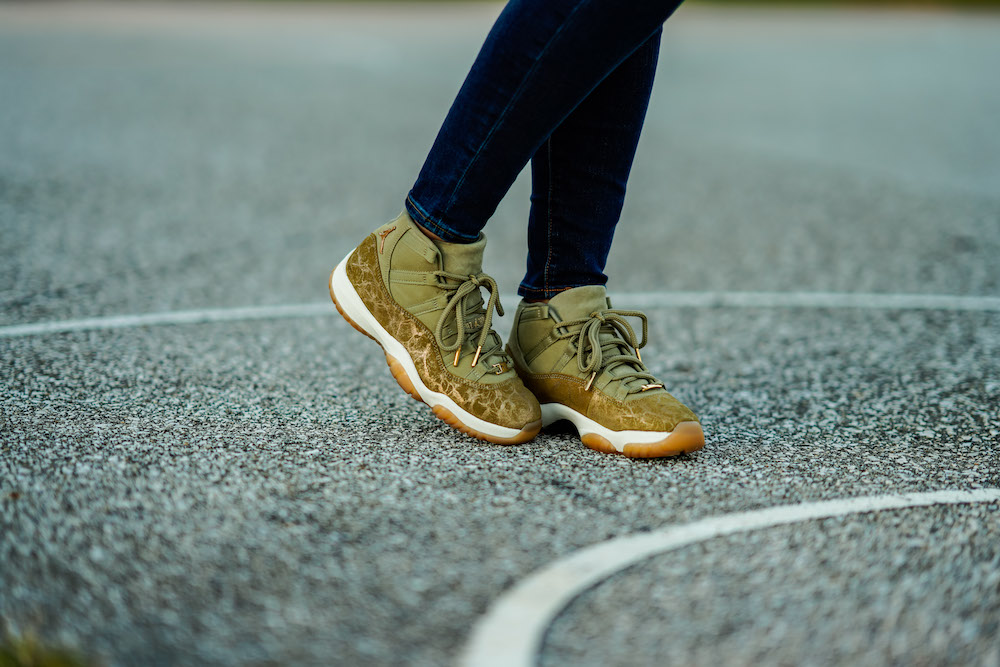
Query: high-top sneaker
column 420, row 300
column 580, row 358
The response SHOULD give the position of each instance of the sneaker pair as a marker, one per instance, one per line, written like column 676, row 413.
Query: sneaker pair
column 573, row 358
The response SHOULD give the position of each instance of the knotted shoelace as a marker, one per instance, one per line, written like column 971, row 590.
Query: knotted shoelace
column 595, row 355
column 462, row 286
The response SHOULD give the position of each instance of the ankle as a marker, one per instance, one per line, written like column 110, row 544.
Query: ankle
column 426, row 232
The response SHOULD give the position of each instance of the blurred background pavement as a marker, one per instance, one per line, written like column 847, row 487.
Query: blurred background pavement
column 261, row 492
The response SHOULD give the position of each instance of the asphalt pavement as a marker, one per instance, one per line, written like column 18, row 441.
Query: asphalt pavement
column 260, row 491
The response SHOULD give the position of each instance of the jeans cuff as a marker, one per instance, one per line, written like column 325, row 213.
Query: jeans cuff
column 436, row 226
column 529, row 292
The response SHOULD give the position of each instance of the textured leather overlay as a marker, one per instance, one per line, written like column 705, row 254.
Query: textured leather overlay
column 506, row 403
column 557, row 388
column 657, row 412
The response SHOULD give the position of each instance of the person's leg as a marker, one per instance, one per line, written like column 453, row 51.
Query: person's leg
column 419, row 297
column 541, row 60
column 579, row 177
column 575, row 353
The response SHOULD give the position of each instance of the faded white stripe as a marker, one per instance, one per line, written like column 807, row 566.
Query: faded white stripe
column 171, row 317
column 809, row 300
column 510, row 634
column 646, row 300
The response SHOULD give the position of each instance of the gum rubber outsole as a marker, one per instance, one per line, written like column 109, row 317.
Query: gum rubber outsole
column 686, row 437
column 441, row 412
column 526, row 434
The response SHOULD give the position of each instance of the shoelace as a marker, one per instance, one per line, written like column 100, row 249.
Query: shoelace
column 456, row 305
column 593, row 353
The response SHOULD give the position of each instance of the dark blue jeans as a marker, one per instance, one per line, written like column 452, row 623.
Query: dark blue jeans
column 563, row 84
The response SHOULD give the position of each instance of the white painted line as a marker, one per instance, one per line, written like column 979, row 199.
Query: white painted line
column 808, row 300
column 510, row 634
column 630, row 299
column 171, row 317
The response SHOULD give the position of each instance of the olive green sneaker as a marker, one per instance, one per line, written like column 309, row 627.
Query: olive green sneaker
column 580, row 358
column 420, row 300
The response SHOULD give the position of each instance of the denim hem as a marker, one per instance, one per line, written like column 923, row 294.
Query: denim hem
column 547, row 292
column 436, row 226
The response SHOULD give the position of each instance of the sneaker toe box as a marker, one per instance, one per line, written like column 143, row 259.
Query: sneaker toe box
column 659, row 412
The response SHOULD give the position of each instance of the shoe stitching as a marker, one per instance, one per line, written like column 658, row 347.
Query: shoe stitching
column 548, row 218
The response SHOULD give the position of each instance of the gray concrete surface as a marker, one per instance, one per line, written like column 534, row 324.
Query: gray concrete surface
column 263, row 493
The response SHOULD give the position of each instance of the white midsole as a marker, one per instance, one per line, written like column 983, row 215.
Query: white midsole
column 553, row 412
column 355, row 308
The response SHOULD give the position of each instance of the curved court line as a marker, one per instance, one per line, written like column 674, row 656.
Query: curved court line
column 511, row 632
column 631, row 299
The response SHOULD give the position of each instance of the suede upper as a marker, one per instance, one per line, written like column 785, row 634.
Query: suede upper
column 622, row 395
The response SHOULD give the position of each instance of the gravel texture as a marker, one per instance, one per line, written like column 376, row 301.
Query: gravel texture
column 919, row 587
column 263, row 493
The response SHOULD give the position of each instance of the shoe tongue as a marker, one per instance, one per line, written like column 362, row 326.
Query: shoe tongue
column 579, row 302
column 466, row 259
column 462, row 258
